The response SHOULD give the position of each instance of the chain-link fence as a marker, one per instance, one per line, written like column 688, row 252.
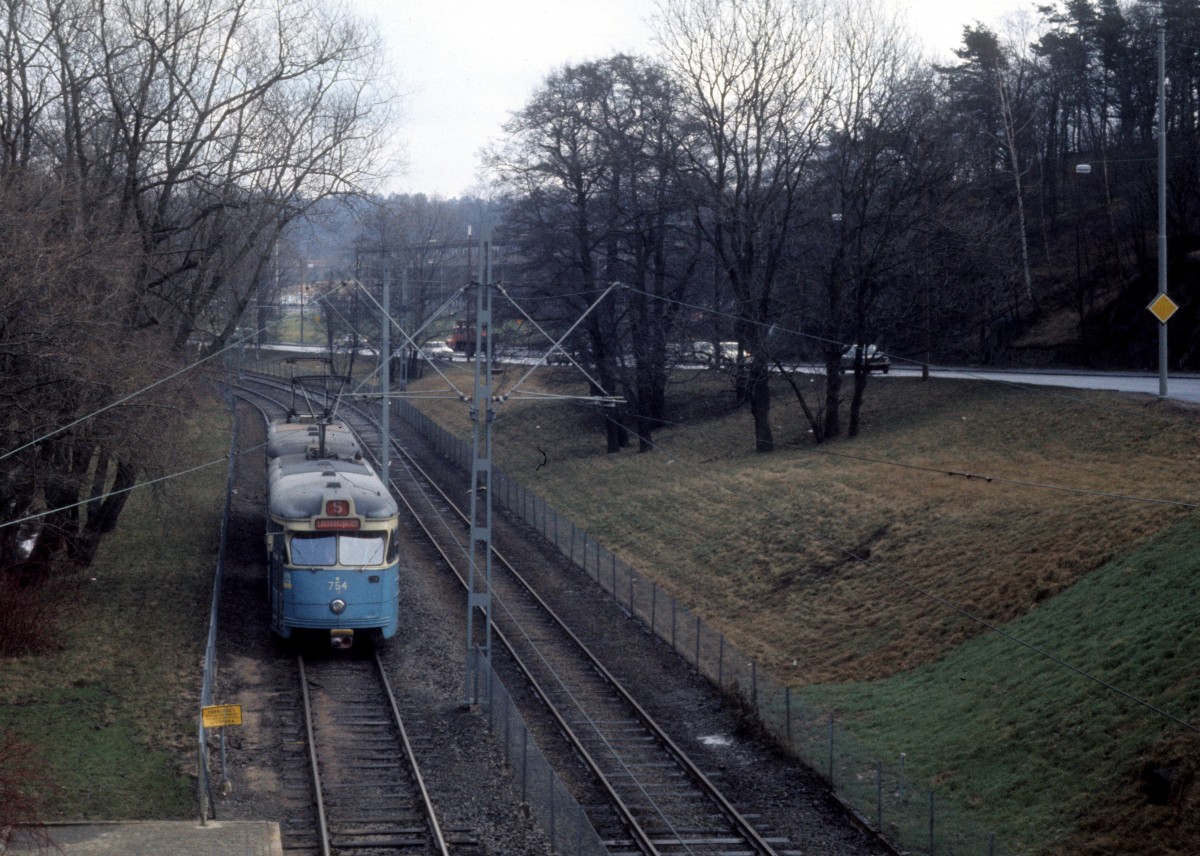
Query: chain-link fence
column 548, row 800
column 909, row 816
column 204, row 782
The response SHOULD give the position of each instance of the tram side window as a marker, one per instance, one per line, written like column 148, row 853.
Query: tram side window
column 314, row 549
column 364, row 548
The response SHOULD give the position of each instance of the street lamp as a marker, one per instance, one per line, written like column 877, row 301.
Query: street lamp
column 1081, row 169
column 1162, row 207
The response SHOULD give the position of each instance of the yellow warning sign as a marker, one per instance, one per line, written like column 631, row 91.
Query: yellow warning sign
column 220, row 715
column 1162, row 308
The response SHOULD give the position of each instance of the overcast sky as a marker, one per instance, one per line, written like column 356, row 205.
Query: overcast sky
column 466, row 66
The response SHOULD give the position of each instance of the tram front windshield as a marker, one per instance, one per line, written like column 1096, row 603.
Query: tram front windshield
column 319, row 549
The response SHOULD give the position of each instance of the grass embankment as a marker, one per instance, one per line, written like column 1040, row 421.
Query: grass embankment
column 112, row 713
column 833, row 566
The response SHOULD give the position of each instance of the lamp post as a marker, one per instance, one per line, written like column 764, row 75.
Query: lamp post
column 304, row 283
column 1080, row 297
column 1162, row 206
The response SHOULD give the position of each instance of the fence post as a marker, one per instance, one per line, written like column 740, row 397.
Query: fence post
column 524, row 764
column 878, row 795
column 673, row 602
column 698, row 644
column 931, row 846
column 203, row 779
column 491, row 697
column 831, row 748
column 653, row 608
column 507, row 726
column 721, row 663
column 787, row 711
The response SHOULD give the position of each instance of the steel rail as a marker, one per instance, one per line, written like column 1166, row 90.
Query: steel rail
column 438, row 839
column 322, row 826
column 640, row 835
column 704, row 784
column 624, row 811
column 727, row 809
column 435, row 828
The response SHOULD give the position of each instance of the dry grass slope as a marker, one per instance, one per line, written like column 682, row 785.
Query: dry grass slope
column 797, row 554
column 842, row 559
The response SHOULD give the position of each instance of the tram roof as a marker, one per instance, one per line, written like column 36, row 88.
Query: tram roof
column 301, row 494
column 286, row 465
column 289, row 438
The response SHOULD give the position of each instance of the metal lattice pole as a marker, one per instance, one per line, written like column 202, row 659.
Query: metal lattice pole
column 479, row 586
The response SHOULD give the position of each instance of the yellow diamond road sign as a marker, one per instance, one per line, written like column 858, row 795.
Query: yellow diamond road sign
column 1162, row 308
column 220, row 715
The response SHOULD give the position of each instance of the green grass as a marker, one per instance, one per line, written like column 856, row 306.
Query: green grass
column 809, row 560
column 112, row 713
column 290, row 329
column 1009, row 731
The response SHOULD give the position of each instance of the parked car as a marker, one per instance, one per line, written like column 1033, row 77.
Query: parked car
column 437, row 351
column 702, row 352
column 714, row 356
column 727, row 352
column 558, row 358
column 873, row 359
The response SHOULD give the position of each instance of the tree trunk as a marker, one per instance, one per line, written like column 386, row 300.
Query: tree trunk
column 833, row 391
column 760, row 404
column 856, row 400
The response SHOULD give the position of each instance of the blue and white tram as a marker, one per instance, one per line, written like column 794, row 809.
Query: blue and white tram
column 332, row 550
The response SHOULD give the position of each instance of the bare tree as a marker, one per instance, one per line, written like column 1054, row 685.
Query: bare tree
column 69, row 363
column 755, row 81
column 590, row 166
column 231, row 118
column 149, row 156
column 883, row 171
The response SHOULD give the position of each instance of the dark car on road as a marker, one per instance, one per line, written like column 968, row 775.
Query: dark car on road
column 873, row 359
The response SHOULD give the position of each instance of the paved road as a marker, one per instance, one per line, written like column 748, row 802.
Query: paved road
column 1183, row 387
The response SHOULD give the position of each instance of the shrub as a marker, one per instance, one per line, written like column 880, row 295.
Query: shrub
column 31, row 615
column 22, row 778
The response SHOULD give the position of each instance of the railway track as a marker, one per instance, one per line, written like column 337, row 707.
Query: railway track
column 643, row 793
column 369, row 793
column 354, row 780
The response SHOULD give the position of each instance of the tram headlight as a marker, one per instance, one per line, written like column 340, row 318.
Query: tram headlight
column 337, row 606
